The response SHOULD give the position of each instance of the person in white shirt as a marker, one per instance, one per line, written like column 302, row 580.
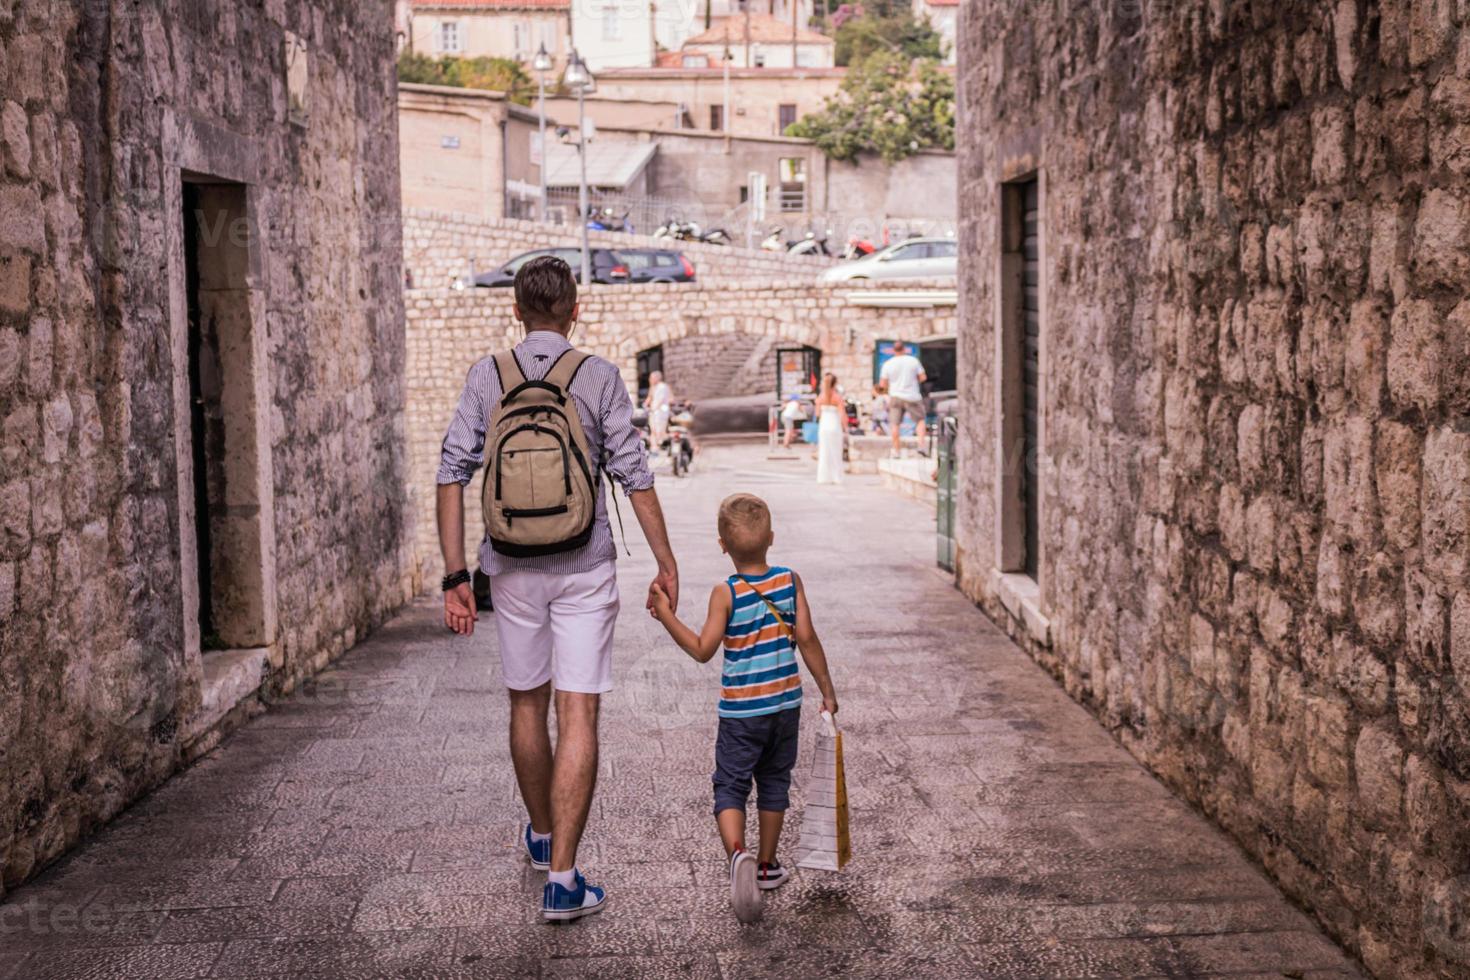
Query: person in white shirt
column 659, row 403
column 902, row 377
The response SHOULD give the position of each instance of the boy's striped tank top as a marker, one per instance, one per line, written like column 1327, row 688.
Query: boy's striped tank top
column 760, row 675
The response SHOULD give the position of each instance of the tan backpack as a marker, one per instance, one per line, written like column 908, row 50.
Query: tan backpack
column 539, row 496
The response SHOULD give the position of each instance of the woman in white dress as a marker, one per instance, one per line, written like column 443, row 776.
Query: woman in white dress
column 831, row 426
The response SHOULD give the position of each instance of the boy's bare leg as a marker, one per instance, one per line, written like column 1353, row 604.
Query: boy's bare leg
column 732, row 829
column 530, row 752
column 574, row 774
column 771, row 822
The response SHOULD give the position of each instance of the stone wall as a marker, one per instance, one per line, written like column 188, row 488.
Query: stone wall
column 1255, row 522
column 106, row 107
column 449, row 330
column 439, row 247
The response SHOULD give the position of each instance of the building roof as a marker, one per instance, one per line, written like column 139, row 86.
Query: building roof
column 676, row 59
column 610, row 163
column 764, row 29
column 490, row 4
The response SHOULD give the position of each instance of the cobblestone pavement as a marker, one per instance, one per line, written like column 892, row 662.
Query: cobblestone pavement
column 367, row 827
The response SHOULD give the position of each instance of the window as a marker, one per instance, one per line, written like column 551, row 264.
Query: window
column 787, row 115
column 807, row 57
column 943, row 250
column 612, row 25
column 717, row 118
column 449, row 38
column 521, row 38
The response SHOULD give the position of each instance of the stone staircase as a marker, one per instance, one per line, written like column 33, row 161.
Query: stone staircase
column 715, row 377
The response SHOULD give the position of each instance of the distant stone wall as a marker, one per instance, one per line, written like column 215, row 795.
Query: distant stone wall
column 1255, row 458
column 439, row 247
column 449, row 330
column 106, row 107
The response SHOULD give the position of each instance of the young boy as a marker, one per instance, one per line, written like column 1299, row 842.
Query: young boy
column 756, row 613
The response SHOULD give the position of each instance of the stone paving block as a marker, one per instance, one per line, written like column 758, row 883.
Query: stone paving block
column 164, row 962
column 343, row 955
column 218, row 925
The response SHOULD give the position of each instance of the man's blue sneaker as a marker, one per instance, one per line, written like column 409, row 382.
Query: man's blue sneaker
column 539, row 851
column 562, row 904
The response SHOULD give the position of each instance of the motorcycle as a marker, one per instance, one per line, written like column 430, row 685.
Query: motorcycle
column 773, row 241
column 678, row 443
column 716, row 236
column 811, row 245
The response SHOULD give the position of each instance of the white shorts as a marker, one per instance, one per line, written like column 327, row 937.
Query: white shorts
column 556, row 628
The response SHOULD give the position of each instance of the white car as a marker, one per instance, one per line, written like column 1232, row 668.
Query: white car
column 917, row 258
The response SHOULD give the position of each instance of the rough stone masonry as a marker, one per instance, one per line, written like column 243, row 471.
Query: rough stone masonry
column 1254, row 424
column 114, row 116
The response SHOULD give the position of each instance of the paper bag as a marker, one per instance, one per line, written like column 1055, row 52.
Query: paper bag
column 825, row 843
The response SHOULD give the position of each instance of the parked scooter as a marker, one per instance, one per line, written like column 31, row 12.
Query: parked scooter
column 811, row 245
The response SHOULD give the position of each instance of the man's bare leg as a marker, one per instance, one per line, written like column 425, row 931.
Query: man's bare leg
column 530, row 751
column 574, row 774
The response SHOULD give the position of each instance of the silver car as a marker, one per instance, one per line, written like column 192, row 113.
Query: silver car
column 917, row 258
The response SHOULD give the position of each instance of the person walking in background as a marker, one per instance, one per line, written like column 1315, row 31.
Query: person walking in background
column 660, row 405
column 556, row 604
column 791, row 414
column 878, row 411
column 903, row 378
column 831, row 423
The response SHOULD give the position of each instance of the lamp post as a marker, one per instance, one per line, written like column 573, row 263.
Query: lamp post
column 579, row 79
column 542, row 65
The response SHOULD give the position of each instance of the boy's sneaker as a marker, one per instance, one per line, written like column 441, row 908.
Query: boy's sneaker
column 539, row 851
column 745, row 895
column 562, row 904
column 770, row 875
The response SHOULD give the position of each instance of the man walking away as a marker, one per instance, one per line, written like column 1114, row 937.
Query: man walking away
column 556, row 594
column 902, row 378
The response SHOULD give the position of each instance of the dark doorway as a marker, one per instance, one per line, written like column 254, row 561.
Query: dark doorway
column 197, row 418
column 226, row 441
column 649, row 361
column 1030, row 371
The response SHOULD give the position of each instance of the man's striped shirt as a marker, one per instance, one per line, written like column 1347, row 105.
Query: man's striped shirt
column 761, row 675
column 606, row 411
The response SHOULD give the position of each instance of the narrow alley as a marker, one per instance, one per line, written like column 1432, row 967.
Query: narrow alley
column 368, row 825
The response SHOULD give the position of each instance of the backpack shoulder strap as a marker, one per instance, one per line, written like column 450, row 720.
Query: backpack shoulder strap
column 566, row 367
column 509, row 371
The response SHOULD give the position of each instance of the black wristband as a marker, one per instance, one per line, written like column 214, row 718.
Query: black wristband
column 455, row 578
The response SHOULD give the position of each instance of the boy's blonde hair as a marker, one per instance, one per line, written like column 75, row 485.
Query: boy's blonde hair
column 745, row 526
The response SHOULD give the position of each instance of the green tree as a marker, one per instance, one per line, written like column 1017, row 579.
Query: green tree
column 869, row 33
column 490, row 74
column 888, row 105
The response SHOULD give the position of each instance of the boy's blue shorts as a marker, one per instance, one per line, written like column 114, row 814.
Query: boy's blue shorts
column 762, row 750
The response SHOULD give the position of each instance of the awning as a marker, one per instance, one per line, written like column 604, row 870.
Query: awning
column 610, row 164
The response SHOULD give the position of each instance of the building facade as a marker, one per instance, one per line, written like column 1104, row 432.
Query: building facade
column 467, row 151
column 742, row 102
column 1213, row 359
column 513, row 29
column 614, row 33
column 201, row 384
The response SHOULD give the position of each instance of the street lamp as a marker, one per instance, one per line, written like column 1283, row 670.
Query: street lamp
column 579, row 79
column 542, row 64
